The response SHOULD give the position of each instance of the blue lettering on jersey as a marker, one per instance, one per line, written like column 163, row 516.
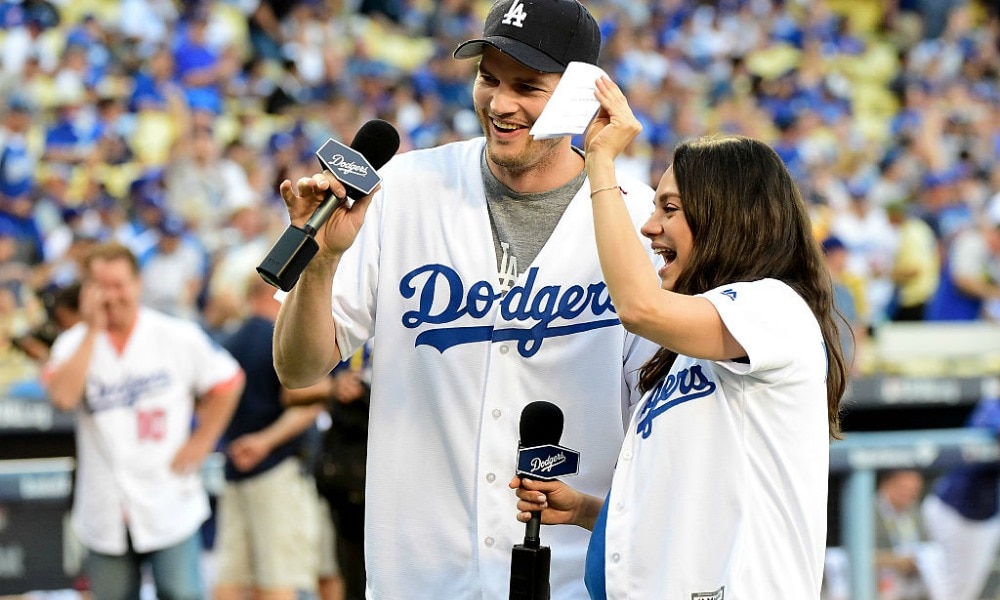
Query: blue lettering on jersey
column 730, row 293
column 688, row 384
column 442, row 287
column 102, row 395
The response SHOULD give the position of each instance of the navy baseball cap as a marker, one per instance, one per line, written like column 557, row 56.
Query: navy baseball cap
column 173, row 226
column 831, row 244
column 544, row 35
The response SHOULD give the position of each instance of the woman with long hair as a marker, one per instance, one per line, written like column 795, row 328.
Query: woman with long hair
column 720, row 490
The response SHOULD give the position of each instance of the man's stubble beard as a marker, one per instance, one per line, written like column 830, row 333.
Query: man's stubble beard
column 534, row 155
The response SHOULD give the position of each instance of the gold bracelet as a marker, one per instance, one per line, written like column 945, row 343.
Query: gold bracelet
column 603, row 189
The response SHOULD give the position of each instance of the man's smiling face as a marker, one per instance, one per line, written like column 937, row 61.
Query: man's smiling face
column 509, row 97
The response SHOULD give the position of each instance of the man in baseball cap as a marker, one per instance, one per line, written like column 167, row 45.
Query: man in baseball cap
column 544, row 35
column 525, row 48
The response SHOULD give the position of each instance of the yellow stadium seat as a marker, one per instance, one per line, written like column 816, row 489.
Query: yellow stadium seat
column 155, row 133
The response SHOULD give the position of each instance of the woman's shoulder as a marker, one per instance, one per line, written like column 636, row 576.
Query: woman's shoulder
column 767, row 295
column 767, row 285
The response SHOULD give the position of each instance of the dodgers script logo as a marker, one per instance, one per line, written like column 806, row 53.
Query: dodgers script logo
column 442, row 298
column 676, row 388
column 545, row 465
column 348, row 167
column 547, row 462
column 105, row 395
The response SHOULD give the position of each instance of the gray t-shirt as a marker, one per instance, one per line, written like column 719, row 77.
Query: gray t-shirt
column 522, row 223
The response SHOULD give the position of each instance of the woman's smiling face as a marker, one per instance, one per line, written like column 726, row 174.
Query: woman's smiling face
column 668, row 231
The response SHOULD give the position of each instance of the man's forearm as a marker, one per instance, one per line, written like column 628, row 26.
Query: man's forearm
column 305, row 338
column 215, row 409
column 291, row 423
column 66, row 384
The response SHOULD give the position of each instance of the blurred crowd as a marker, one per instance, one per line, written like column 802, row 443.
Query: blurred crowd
column 168, row 126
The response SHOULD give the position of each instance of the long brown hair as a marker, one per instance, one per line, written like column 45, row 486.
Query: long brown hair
column 748, row 222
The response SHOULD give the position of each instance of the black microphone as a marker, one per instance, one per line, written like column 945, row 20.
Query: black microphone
column 541, row 425
column 374, row 144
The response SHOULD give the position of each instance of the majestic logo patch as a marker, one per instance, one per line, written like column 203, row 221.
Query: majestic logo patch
column 718, row 594
column 442, row 298
column 675, row 388
column 730, row 293
column 515, row 15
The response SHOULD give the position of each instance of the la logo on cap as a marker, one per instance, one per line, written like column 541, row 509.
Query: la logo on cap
column 544, row 35
column 515, row 15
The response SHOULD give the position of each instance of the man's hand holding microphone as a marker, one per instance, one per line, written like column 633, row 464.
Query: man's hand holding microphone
column 322, row 221
column 323, row 224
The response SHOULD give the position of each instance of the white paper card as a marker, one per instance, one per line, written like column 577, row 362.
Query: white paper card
column 572, row 105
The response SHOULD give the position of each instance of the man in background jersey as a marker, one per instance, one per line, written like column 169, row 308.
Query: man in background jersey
column 136, row 380
column 475, row 269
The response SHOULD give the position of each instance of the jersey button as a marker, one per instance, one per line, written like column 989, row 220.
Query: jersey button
column 496, row 413
column 620, row 506
column 504, row 349
column 490, row 477
column 616, row 557
column 627, row 455
column 489, row 542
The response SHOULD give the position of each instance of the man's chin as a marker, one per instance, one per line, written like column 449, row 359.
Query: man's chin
column 120, row 320
column 502, row 155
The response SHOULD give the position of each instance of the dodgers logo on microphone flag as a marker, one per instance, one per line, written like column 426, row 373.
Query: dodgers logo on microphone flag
column 354, row 166
column 547, row 462
column 349, row 166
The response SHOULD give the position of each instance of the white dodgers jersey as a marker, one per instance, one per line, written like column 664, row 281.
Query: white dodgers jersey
column 456, row 363
column 721, row 486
